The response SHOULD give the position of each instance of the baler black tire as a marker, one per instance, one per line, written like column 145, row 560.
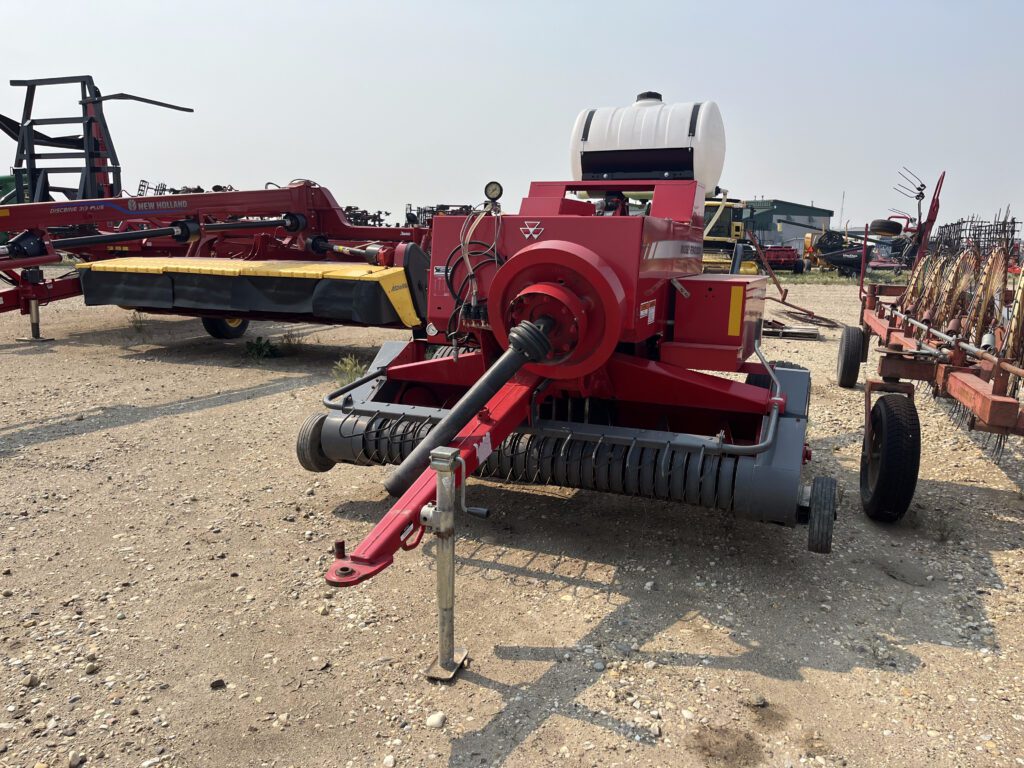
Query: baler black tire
column 763, row 380
column 886, row 228
column 308, row 447
column 889, row 466
column 851, row 346
column 225, row 327
column 798, row 267
column 822, row 515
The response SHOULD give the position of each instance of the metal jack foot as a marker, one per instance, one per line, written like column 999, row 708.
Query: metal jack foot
column 33, row 316
column 438, row 672
column 441, row 517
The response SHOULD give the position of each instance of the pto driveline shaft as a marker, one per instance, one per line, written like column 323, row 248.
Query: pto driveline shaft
column 528, row 342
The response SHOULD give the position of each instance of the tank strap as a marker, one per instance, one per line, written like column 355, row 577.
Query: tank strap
column 586, row 125
column 693, row 118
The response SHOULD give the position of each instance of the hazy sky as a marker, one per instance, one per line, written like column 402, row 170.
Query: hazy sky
column 387, row 102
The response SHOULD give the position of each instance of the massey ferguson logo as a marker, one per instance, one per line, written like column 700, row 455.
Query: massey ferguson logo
column 531, row 229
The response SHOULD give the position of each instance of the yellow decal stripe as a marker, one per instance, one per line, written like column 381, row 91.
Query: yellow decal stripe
column 736, row 310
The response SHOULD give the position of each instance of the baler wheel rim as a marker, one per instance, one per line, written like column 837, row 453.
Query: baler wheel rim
column 822, row 515
column 851, row 344
column 308, row 446
column 890, row 464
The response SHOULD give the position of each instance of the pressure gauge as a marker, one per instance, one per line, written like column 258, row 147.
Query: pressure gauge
column 493, row 191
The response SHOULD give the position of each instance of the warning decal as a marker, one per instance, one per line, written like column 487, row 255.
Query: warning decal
column 648, row 310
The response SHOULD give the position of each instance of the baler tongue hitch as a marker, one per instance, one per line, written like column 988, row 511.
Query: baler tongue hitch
column 487, row 414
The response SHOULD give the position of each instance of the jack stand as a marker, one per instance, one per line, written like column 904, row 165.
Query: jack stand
column 33, row 316
column 441, row 517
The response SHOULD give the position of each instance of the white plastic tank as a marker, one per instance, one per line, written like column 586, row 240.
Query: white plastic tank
column 621, row 138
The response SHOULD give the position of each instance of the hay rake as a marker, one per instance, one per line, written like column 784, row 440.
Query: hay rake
column 956, row 330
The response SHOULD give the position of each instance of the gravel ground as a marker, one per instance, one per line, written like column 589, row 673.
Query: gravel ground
column 163, row 603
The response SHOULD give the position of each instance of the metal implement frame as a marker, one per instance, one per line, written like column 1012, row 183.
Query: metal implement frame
column 96, row 223
column 956, row 369
column 302, row 221
column 99, row 172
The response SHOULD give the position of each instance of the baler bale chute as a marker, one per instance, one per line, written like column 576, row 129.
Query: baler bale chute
column 574, row 344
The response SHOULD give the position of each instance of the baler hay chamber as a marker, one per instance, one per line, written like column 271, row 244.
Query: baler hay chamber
column 577, row 344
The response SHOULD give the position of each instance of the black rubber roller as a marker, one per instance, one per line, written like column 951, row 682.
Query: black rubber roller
column 528, row 342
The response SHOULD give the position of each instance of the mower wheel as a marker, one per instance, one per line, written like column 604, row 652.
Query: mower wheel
column 889, row 464
column 886, row 228
column 763, row 380
column 798, row 267
column 851, row 345
column 225, row 327
column 822, row 515
column 308, row 447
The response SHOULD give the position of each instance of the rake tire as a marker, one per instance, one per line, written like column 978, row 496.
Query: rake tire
column 851, row 346
column 889, row 465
